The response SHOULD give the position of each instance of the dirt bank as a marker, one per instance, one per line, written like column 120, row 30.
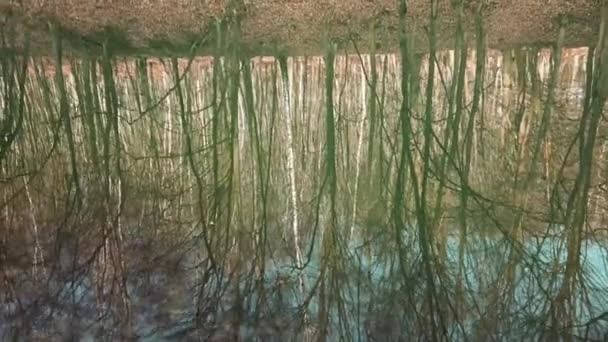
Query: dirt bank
column 295, row 25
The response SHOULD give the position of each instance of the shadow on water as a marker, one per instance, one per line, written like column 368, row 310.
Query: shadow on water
column 453, row 195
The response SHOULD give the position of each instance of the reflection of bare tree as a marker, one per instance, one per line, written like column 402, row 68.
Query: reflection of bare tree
column 229, row 197
column 575, row 217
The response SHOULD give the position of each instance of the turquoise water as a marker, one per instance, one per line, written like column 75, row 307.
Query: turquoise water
column 372, row 287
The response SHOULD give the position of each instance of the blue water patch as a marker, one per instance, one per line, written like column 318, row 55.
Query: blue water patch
column 372, row 283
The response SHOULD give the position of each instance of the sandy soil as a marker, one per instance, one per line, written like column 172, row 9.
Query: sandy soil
column 295, row 25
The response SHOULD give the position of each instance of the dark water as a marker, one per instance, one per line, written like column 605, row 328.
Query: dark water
column 228, row 198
